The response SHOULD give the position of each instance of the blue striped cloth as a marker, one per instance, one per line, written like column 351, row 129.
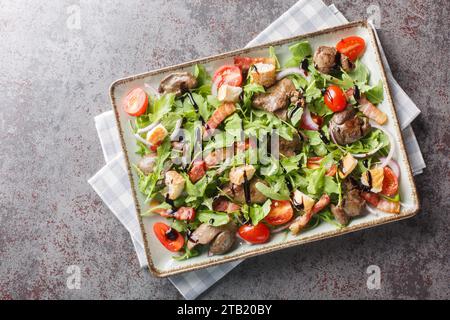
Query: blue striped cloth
column 112, row 184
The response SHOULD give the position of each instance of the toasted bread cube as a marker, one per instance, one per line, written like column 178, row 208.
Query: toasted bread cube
column 301, row 198
column 348, row 165
column 237, row 174
column 263, row 74
column 376, row 179
column 229, row 93
column 157, row 134
column 175, row 183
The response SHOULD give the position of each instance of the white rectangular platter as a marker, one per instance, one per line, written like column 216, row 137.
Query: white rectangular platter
column 159, row 259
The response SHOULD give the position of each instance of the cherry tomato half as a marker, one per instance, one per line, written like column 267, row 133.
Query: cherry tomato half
column 280, row 213
column 390, row 183
column 254, row 234
column 169, row 237
column 352, row 47
column 335, row 98
column 136, row 102
column 230, row 75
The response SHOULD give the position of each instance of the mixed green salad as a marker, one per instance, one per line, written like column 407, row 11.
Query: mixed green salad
column 263, row 146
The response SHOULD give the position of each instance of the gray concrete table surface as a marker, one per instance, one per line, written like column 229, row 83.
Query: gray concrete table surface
column 54, row 79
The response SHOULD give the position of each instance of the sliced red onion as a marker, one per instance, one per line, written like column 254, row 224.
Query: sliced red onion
column 151, row 90
column 143, row 140
column 393, row 165
column 175, row 132
column 392, row 145
column 307, row 122
column 214, row 89
column 289, row 71
column 148, row 128
column 281, row 229
column 368, row 154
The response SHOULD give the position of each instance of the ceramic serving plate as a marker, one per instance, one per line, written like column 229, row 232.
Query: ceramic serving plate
column 159, row 259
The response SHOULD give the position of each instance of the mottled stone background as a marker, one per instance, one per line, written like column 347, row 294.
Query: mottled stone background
column 54, row 80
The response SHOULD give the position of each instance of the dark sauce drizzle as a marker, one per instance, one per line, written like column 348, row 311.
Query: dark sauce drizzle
column 192, row 100
column 171, row 234
column 305, row 65
column 356, row 93
column 247, row 194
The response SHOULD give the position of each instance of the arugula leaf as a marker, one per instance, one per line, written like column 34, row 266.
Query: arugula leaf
column 375, row 94
column 299, row 51
column 312, row 92
column 330, row 186
column 256, row 212
column 269, row 193
column 292, row 163
column 316, row 181
column 152, row 210
column 162, row 106
column 273, row 55
column 147, row 183
column 196, row 190
column 202, row 76
column 214, row 218
column 360, row 74
column 187, row 255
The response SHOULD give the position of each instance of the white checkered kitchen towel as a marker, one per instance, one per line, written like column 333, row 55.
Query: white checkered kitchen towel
column 113, row 186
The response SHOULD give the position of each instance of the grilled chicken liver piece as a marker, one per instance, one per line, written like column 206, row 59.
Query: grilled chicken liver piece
column 223, row 242
column 238, row 195
column 147, row 163
column 204, row 234
column 347, row 127
column 276, row 97
column 177, row 83
column 339, row 214
column 352, row 203
column 325, row 59
column 290, row 148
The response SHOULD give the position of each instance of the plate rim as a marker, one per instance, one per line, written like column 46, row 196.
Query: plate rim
column 294, row 242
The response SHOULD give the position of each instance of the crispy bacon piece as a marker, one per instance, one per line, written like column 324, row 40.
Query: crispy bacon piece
column 367, row 108
column 197, row 171
column 246, row 62
column 372, row 112
column 321, row 204
column 215, row 157
column 185, row 213
column 225, row 110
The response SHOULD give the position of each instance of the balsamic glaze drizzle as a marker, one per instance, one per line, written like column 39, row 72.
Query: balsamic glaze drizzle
column 192, row 100
column 247, row 194
column 171, row 234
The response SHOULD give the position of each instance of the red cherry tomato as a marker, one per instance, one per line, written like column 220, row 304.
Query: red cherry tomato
column 280, row 213
column 335, row 99
column 230, row 75
column 169, row 238
column 352, row 47
column 185, row 213
column 136, row 102
column 372, row 198
column 390, row 183
column 254, row 234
